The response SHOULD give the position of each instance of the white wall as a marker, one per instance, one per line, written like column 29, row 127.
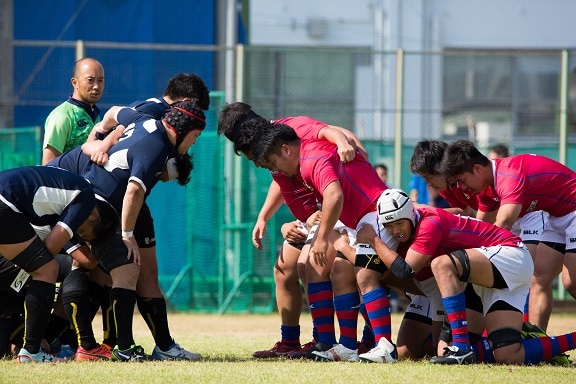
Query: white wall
column 413, row 25
column 462, row 23
column 546, row 24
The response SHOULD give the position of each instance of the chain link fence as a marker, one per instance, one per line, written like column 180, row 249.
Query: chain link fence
column 525, row 99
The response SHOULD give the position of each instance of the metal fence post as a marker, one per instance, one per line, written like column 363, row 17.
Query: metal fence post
column 399, row 115
column 80, row 49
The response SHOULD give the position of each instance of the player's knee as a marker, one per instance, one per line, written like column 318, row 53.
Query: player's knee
column 440, row 263
column 456, row 262
column 506, row 345
column 75, row 286
column 36, row 260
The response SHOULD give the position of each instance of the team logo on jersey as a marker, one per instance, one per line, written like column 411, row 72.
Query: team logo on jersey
column 82, row 123
column 307, row 185
column 530, row 232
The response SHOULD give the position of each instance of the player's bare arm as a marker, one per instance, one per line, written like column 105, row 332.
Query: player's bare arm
column 332, row 203
column 507, row 215
column 133, row 200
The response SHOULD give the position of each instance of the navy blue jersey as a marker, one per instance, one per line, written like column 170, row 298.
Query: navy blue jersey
column 48, row 196
column 140, row 155
column 73, row 160
column 154, row 107
column 76, row 162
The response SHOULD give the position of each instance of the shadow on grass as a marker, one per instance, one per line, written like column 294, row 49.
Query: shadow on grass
column 236, row 359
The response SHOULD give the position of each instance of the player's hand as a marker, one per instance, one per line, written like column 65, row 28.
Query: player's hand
column 99, row 158
column 133, row 249
column 346, row 153
column 258, row 233
column 293, row 232
column 319, row 252
column 366, row 234
column 314, row 219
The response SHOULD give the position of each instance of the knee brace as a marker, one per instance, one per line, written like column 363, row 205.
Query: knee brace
column 75, row 286
column 464, row 260
column 33, row 257
column 504, row 337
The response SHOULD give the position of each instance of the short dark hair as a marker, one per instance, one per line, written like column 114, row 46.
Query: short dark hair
column 459, row 157
column 426, row 156
column 184, row 165
column 271, row 140
column 108, row 221
column 188, row 85
column 241, row 125
column 383, row 166
column 500, row 149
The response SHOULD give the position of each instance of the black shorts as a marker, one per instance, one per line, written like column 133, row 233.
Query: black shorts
column 371, row 262
column 111, row 251
column 15, row 226
column 12, row 304
column 144, row 229
column 65, row 266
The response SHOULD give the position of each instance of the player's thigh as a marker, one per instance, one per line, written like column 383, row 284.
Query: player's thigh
column 548, row 263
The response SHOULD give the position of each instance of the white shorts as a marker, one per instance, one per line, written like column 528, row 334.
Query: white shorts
column 429, row 287
column 42, row 232
column 530, row 226
column 337, row 227
column 419, row 305
column 372, row 219
column 516, row 267
column 561, row 230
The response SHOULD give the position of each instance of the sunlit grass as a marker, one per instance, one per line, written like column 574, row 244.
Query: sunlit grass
column 227, row 342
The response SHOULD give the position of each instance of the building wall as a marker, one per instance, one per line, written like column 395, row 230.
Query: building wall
column 416, row 24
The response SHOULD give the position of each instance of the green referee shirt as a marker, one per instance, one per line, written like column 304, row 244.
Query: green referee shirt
column 69, row 124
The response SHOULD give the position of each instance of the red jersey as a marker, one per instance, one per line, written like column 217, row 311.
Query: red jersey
column 301, row 201
column 537, row 182
column 361, row 186
column 438, row 232
column 459, row 198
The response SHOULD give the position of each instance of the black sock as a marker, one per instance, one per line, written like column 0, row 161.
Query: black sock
column 57, row 326
column 123, row 302
column 9, row 327
column 108, row 324
column 76, row 299
column 38, row 303
column 153, row 310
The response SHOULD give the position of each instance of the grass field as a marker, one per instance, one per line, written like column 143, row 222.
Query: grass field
column 228, row 341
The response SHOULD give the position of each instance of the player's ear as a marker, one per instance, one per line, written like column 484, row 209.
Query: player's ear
column 95, row 214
